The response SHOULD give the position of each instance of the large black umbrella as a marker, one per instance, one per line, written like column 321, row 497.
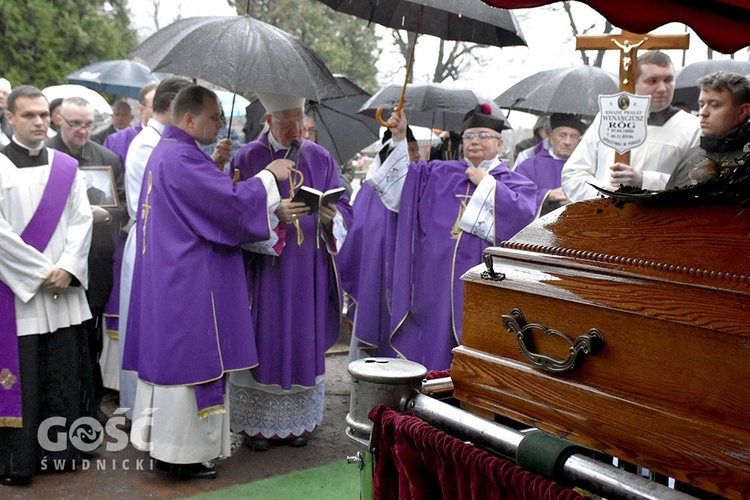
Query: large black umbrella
column 431, row 105
column 339, row 128
column 447, row 19
column 462, row 21
column 686, row 89
column 120, row 77
column 564, row 90
column 239, row 53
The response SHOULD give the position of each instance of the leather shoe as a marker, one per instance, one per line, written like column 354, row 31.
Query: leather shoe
column 258, row 444
column 203, row 470
column 299, row 441
column 15, row 480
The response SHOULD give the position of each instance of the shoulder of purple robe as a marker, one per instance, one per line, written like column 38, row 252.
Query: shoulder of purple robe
column 215, row 208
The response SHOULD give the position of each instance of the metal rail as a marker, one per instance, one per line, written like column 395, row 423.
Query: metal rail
column 592, row 475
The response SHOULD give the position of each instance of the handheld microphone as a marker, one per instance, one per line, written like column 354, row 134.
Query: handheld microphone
column 293, row 148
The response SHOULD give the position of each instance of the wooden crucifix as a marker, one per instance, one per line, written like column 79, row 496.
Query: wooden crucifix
column 628, row 44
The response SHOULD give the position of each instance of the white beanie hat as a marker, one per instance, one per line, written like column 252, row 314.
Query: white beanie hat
column 5, row 85
column 280, row 102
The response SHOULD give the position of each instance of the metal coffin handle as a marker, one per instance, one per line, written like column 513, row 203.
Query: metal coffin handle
column 589, row 343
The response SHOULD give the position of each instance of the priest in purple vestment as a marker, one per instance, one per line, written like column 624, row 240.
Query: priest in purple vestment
column 545, row 168
column 189, row 322
column 448, row 213
column 366, row 264
column 293, row 285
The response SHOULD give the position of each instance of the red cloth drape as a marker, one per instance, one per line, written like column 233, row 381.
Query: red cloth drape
column 415, row 460
column 723, row 24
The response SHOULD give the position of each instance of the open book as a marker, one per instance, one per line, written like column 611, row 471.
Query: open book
column 316, row 199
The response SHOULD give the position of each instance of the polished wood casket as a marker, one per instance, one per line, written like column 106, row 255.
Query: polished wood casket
column 624, row 328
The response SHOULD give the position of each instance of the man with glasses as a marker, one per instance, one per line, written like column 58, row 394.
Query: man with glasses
column 74, row 139
column 294, row 288
column 45, row 235
column 448, row 213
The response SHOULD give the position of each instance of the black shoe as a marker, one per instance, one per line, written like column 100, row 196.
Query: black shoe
column 258, row 444
column 203, row 470
column 299, row 441
column 15, row 480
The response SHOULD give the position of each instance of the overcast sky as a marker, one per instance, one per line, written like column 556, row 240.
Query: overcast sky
column 547, row 32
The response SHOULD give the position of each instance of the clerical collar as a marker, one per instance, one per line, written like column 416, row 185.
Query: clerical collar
column 551, row 152
column 659, row 118
column 276, row 145
column 32, row 152
column 486, row 165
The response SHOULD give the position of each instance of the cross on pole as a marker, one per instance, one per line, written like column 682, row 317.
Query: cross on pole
column 628, row 44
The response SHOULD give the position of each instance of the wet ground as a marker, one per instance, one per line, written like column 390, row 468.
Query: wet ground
column 130, row 473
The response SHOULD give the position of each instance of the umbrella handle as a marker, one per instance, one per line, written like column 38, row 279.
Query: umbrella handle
column 379, row 111
column 378, row 117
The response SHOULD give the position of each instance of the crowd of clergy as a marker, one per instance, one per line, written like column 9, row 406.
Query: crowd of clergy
column 203, row 288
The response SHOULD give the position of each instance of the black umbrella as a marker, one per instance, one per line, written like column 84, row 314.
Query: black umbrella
column 239, row 53
column 121, row 77
column 339, row 128
column 564, row 90
column 686, row 89
column 447, row 19
column 462, row 21
column 431, row 105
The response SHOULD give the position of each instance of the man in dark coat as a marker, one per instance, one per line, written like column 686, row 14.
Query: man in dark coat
column 723, row 108
column 74, row 139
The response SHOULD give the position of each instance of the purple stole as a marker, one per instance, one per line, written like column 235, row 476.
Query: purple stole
column 37, row 234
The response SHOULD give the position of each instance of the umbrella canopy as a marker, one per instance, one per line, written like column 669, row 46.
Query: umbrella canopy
column 431, row 105
column 686, row 79
column 121, row 77
column 447, row 19
column 564, row 90
column 340, row 129
column 723, row 24
column 227, row 99
column 240, row 54
column 99, row 103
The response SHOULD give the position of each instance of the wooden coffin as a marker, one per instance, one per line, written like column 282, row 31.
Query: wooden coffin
column 660, row 299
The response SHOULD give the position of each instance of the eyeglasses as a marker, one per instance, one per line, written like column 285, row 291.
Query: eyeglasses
column 289, row 123
column 469, row 136
column 76, row 124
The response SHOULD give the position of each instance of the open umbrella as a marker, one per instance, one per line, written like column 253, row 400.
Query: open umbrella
column 120, row 77
column 686, row 89
column 238, row 53
column 339, row 128
column 431, row 105
column 99, row 103
column 564, row 90
column 447, row 19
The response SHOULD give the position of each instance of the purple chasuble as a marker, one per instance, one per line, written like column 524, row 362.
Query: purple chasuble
column 430, row 257
column 544, row 171
column 37, row 234
column 366, row 264
column 189, row 320
column 119, row 142
column 295, row 297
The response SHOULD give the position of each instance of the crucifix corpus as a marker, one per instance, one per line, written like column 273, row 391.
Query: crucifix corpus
column 628, row 44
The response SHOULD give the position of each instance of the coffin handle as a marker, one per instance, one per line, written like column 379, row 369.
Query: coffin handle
column 589, row 343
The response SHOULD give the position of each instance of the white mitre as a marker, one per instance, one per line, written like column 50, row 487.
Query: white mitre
column 280, row 102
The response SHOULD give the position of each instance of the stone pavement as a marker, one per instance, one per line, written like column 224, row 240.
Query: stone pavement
column 130, row 473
